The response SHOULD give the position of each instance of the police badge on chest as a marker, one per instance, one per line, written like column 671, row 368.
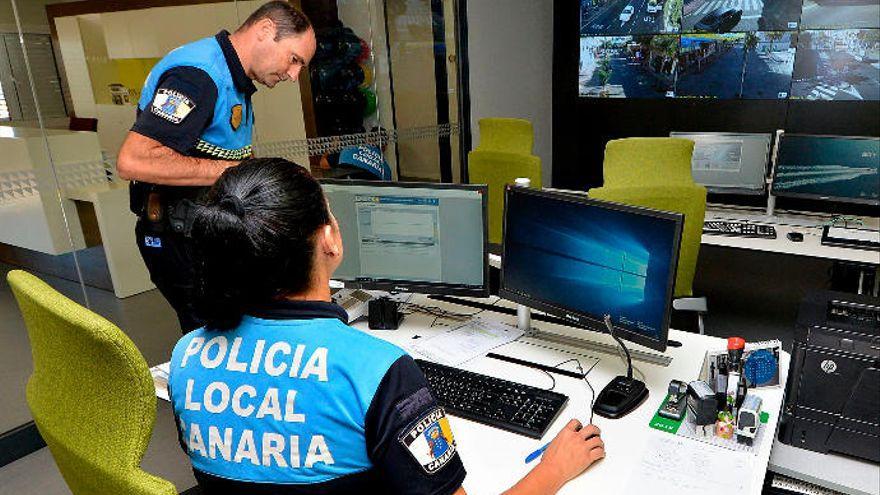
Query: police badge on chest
column 235, row 117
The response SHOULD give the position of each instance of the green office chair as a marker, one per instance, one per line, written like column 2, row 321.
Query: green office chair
column 497, row 169
column 91, row 393
column 656, row 173
column 504, row 134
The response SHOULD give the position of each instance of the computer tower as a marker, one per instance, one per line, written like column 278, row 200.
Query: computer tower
column 832, row 399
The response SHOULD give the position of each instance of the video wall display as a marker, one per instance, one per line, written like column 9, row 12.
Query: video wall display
column 730, row 49
column 722, row 16
column 710, row 65
column 610, row 17
column 837, row 65
column 628, row 66
column 840, row 14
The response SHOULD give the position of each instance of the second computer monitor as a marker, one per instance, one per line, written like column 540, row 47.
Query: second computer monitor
column 412, row 237
column 840, row 169
column 580, row 258
column 729, row 162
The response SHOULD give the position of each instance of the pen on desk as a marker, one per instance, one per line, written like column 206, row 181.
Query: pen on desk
column 534, row 455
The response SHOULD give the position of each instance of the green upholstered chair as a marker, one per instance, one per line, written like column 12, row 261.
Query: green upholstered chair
column 91, row 393
column 497, row 169
column 504, row 134
column 656, row 173
column 503, row 155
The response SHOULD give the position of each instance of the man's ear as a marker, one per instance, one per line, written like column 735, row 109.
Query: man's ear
column 265, row 29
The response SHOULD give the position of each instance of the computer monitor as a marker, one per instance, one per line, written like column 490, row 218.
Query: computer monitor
column 412, row 237
column 729, row 163
column 579, row 258
column 835, row 168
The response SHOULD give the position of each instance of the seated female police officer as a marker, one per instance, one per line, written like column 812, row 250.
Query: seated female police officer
column 277, row 394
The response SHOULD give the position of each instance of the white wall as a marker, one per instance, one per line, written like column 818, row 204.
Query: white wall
column 153, row 33
column 510, row 57
column 32, row 15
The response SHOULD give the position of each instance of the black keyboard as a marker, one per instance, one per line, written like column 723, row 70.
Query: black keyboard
column 500, row 403
column 739, row 229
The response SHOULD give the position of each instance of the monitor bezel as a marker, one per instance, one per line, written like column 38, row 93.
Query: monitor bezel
column 424, row 287
column 585, row 320
column 811, row 196
column 744, row 191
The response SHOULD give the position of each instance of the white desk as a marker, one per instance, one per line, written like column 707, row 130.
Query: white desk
column 31, row 215
column 809, row 226
column 116, row 223
column 495, row 459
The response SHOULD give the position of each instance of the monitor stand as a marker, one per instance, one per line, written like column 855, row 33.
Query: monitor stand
column 523, row 319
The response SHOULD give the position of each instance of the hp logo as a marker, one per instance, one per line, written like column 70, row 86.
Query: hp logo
column 828, row 366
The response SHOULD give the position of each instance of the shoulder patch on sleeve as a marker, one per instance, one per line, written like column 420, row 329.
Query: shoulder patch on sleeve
column 171, row 105
column 430, row 441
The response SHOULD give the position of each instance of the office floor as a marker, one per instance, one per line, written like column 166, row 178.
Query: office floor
column 753, row 295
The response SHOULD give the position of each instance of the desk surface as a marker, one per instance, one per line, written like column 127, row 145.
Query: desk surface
column 809, row 226
column 495, row 459
column 90, row 192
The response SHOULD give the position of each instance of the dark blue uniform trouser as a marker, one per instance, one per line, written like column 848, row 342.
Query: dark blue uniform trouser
column 169, row 261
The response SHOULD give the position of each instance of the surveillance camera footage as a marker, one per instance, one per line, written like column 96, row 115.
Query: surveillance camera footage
column 837, row 65
column 607, row 17
column 769, row 62
column 628, row 66
column 840, row 14
column 710, row 65
column 723, row 16
column 730, row 49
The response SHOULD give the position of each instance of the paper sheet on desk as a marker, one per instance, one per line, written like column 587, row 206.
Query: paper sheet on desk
column 475, row 338
column 160, row 374
column 677, row 465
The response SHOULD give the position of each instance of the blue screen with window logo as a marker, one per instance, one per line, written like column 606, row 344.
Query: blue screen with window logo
column 591, row 259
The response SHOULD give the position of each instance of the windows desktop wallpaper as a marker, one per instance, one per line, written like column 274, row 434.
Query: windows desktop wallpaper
column 590, row 259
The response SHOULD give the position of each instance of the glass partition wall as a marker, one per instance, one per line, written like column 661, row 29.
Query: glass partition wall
column 380, row 100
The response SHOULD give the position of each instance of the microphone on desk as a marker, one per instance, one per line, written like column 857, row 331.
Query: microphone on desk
column 629, row 363
column 624, row 393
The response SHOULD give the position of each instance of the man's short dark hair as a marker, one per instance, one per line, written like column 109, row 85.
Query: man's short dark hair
column 288, row 19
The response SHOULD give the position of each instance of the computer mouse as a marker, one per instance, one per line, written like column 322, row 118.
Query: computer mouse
column 795, row 236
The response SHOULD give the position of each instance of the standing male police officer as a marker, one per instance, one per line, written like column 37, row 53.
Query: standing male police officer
column 195, row 119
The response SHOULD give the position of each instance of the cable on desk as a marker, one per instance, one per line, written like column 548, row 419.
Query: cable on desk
column 497, row 300
column 438, row 312
column 586, row 380
column 552, row 378
column 435, row 311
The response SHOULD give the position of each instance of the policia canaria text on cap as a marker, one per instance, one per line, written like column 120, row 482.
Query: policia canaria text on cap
column 195, row 119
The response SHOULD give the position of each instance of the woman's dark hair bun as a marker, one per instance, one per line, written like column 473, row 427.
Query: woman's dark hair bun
column 253, row 237
column 233, row 205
